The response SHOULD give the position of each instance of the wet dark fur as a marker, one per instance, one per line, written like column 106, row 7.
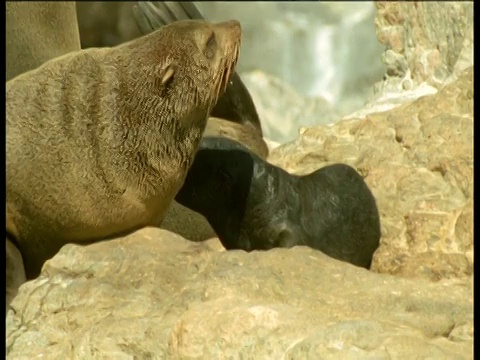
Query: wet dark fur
column 236, row 104
column 253, row 205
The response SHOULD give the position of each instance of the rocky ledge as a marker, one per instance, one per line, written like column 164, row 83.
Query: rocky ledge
column 156, row 295
column 418, row 160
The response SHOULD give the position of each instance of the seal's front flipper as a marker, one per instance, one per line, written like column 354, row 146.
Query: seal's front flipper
column 15, row 272
column 150, row 15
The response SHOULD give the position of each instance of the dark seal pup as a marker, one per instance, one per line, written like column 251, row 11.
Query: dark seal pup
column 190, row 224
column 236, row 104
column 254, row 205
column 99, row 141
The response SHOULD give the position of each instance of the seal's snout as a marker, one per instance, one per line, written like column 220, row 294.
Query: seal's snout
column 228, row 37
column 232, row 26
column 244, row 243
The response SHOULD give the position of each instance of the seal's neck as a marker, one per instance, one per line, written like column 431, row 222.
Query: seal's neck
column 227, row 221
column 267, row 184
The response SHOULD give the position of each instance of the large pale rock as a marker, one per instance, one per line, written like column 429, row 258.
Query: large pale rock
column 154, row 295
column 425, row 40
column 418, row 161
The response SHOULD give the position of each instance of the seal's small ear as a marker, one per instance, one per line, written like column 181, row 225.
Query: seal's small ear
column 163, row 78
column 166, row 75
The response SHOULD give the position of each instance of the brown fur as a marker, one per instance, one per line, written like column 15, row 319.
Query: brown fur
column 240, row 120
column 37, row 32
column 28, row 25
column 99, row 141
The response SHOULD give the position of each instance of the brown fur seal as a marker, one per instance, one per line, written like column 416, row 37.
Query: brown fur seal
column 99, row 141
column 236, row 104
column 253, row 205
column 37, row 32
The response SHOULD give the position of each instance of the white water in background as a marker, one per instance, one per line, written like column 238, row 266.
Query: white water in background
column 324, row 50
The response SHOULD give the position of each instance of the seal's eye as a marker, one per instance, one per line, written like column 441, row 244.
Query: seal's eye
column 210, row 48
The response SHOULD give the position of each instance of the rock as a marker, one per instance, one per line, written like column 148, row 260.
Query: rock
column 155, row 295
column 425, row 41
column 418, row 161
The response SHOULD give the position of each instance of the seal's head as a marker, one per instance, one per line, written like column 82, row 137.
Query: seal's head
column 180, row 70
column 236, row 105
column 166, row 84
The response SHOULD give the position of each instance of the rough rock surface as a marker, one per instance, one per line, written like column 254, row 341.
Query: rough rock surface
column 426, row 41
column 418, row 161
column 155, row 295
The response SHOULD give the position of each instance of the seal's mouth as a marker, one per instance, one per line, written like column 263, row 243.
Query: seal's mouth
column 227, row 70
column 232, row 32
column 230, row 68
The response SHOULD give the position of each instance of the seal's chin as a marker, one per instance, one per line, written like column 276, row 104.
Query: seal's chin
column 227, row 68
column 244, row 243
